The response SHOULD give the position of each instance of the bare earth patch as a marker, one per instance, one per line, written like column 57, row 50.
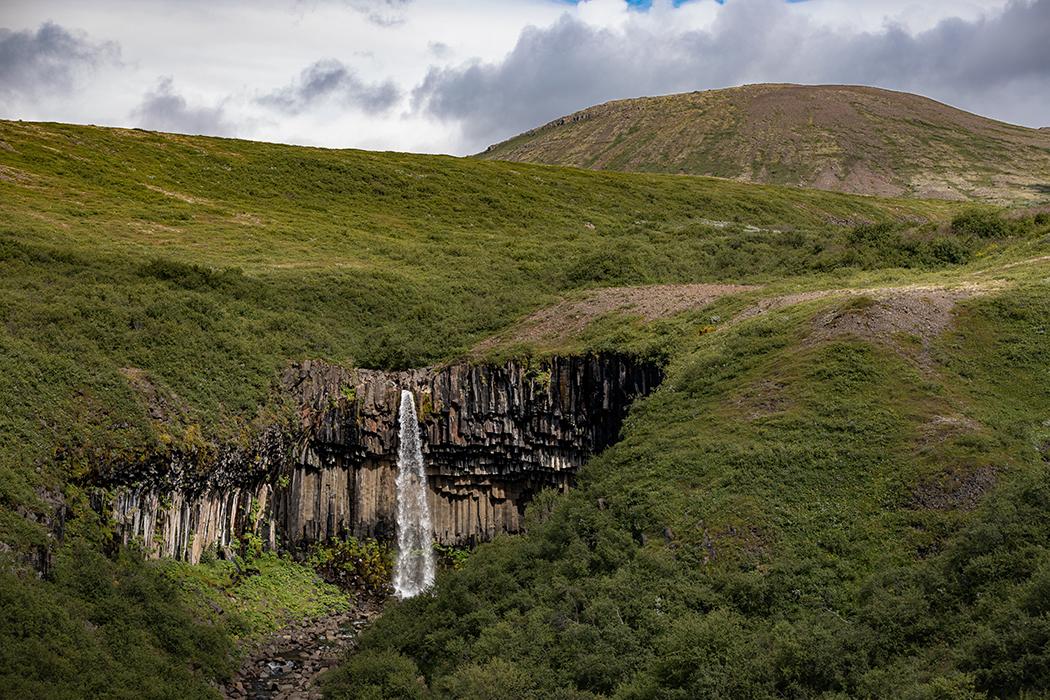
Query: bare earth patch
column 957, row 487
column 906, row 319
column 163, row 404
column 48, row 219
column 248, row 219
column 152, row 227
column 941, row 428
column 1032, row 261
column 177, row 195
column 568, row 318
column 764, row 398
column 16, row 176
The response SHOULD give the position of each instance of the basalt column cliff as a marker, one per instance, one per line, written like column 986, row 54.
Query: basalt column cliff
column 492, row 438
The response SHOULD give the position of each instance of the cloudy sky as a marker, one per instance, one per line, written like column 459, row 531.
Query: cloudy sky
column 453, row 76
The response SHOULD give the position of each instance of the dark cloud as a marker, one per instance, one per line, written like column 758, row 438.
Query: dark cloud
column 569, row 65
column 165, row 110
column 330, row 82
column 955, row 56
column 549, row 73
column 49, row 60
column 439, row 49
column 1013, row 46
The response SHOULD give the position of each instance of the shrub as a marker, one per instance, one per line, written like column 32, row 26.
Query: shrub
column 375, row 675
column 356, row 564
column 980, row 222
column 492, row 680
column 100, row 628
column 949, row 250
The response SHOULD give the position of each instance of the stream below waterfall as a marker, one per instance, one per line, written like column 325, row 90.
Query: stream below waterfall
column 287, row 665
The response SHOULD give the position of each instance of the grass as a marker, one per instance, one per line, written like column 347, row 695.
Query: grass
column 251, row 608
column 791, row 135
column 759, row 514
column 756, row 533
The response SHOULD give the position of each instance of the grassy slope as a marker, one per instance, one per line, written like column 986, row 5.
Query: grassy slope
column 208, row 264
column 853, row 139
column 788, row 554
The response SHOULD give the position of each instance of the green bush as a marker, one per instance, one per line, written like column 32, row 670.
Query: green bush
column 493, row 680
column 100, row 629
column 353, row 564
column 374, row 675
column 982, row 223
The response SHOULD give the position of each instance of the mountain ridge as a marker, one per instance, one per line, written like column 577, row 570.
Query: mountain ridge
column 861, row 140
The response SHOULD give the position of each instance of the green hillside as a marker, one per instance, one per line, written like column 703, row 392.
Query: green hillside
column 821, row 500
column 210, row 264
column 785, row 517
column 833, row 137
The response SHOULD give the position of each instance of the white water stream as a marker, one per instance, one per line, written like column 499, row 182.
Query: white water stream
column 416, row 563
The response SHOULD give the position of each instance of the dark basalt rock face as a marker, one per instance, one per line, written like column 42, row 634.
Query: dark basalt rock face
column 492, row 438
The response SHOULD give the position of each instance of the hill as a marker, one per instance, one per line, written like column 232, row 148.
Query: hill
column 210, row 264
column 839, row 490
column 862, row 140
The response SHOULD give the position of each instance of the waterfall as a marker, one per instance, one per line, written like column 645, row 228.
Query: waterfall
column 416, row 564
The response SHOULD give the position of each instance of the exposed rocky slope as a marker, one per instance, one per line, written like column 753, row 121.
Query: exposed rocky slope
column 845, row 138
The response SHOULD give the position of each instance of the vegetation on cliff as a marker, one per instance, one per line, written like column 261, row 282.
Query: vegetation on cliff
column 805, row 508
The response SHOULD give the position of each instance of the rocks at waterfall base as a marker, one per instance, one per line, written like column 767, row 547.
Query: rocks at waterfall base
column 288, row 664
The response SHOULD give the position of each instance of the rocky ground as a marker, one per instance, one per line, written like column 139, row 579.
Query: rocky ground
column 287, row 666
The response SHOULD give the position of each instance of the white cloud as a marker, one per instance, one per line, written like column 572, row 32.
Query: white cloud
column 456, row 75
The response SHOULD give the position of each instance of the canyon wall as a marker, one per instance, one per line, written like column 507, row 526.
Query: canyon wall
column 492, row 438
